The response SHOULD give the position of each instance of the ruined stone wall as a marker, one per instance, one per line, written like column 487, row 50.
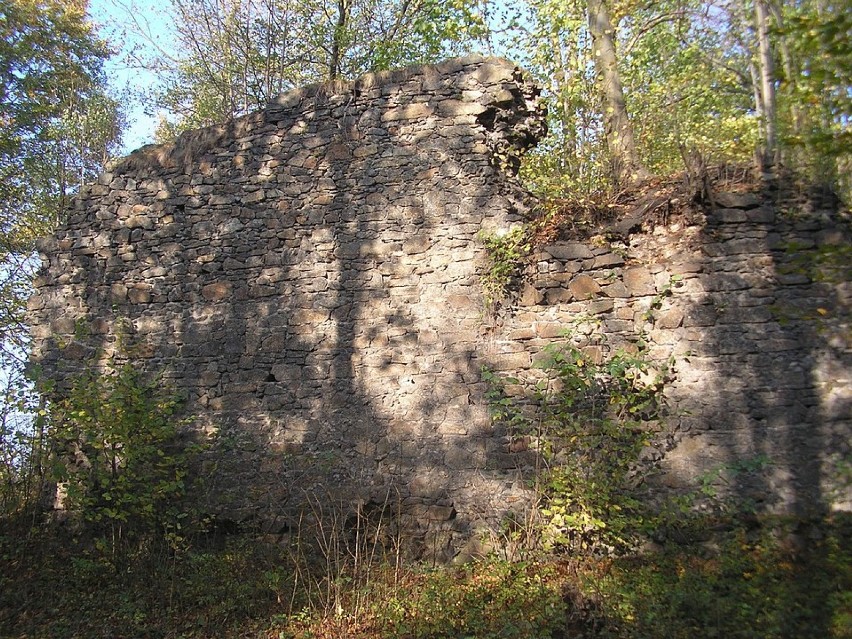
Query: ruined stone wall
column 750, row 300
column 308, row 278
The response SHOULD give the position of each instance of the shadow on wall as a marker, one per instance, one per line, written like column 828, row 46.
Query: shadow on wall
column 310, row 285
column 777, row 284
column 772, row 418
column 752, row 302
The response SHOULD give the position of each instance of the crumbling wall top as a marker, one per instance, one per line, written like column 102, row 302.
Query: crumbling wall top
column 493, row 90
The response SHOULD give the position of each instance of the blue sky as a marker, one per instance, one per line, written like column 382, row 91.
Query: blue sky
column 133, row 28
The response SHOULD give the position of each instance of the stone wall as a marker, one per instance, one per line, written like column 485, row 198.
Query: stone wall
column 308, row 278
column 750, row 299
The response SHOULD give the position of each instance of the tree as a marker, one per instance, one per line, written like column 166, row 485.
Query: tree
column 814, row 39
column 58, row 127
column 658, row 56
column 232, row 56
column 627, row 167
column 765, row 86
column 551, row 39
column 57, row 123
column 697, row 76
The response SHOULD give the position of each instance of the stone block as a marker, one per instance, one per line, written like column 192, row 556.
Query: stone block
column 494, row 73
column 253, row 197
column 558, row 295
column 639, row 281
column 416, row 245
column 453, row 108
column 509, row 361
column 530, row 296
column 550, row 330
column 569, row 251
column 139, row 294
column 118, row 292
column 415, row 111
column 616, row 289
column 727, row 216
column 584, row 287
column 762, row 215
column 214, row 292
column 599, row 306
column 736, row 200
column 608, row 260
column 669, row 319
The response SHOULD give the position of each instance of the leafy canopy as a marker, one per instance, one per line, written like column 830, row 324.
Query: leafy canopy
column 57, row 126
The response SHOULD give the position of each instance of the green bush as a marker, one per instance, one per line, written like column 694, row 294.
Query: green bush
column 590, row 419
column 507, row 254
column 120, row 459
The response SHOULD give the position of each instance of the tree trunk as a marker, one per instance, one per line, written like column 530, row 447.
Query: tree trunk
column 758, row 111
column 343, row 7
column 790, row 73
column 767, row 85
column 568, row 120
column 627, row 167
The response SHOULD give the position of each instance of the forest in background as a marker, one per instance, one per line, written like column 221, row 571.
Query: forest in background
column 635, row 90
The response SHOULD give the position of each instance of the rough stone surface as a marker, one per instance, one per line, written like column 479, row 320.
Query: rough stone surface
column 308, row 278
column 755, row 312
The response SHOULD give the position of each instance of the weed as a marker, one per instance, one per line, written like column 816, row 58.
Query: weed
column 507, row 254
column 591, row 420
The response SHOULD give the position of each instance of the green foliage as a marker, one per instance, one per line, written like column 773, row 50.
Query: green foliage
column 781, row 579
column 490, row 599
column 121, row 462
column 597, row 419
column 686, row 68
column 232, row 57
column 24, row 449
column 551, row 39
column 592, row 418
column 786, row 579
column 57, row 123
column 216, row 589
column 816, row 73
column 57, row 126
column 507, row 255
column 686, row 90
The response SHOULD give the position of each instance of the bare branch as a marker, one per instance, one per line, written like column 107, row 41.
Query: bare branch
column 648, row 26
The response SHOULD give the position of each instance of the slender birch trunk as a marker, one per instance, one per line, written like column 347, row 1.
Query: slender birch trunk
column 627, row 167
column 766, row 70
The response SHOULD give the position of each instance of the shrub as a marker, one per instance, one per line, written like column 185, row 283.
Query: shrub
column 591, row 423
column 119, row 457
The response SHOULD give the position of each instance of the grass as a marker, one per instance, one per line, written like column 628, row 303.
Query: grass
column 784, row 580
column 788, row 580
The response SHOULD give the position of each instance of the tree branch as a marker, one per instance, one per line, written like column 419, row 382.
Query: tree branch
column 648, row 26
